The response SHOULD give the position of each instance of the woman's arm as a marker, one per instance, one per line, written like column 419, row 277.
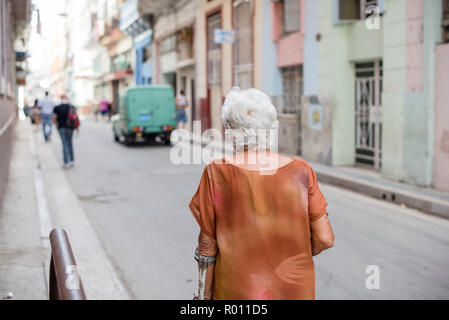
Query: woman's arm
column 208, row 247
column 322, row 235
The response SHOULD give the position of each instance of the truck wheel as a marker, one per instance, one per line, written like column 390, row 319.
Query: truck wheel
column 167, row 140
column 116, row 138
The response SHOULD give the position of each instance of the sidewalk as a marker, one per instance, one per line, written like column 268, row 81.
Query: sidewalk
column 22, row 257
column 371, row 183
column 39, row 198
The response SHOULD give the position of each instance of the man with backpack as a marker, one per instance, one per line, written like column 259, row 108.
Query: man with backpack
column 67, row 121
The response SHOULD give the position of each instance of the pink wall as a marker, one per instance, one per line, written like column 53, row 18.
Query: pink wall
column 277, row 27
column 290, row 50
column 414, row 43
column 290, row 47
column 441, row 154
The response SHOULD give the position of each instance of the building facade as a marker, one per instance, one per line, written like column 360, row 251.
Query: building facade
column 288, row 30
column 372, row 68
column 14, row 19
column 355, row 83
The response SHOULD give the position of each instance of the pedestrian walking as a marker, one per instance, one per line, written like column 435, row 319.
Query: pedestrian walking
column 47, row 105
column 104, row 107
column 63, row 114
column 35, row 114
column 181, row 105
column 262, row 215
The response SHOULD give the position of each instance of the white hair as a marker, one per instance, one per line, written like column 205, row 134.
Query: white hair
column 249, row 117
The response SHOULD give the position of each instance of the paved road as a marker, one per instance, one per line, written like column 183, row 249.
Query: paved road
column 137, row 203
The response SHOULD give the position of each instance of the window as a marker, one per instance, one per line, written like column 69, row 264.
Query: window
column 243, row 45
column 291, row 15
column 292, row 84
column 168, row 44
column 213, row 51
column 147, row 53
column 185, row 44
column 93, row 21
column 121, row 62
column 445, row 20
column 357, row 9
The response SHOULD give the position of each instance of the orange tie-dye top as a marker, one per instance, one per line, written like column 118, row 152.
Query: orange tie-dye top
column 261, row 224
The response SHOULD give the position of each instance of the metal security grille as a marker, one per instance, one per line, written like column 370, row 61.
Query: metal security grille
column 243, row 50
column 292, row 85
column 213, row 51
column 368, row 113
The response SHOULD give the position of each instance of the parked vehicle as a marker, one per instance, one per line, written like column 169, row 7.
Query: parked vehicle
column 145, row 113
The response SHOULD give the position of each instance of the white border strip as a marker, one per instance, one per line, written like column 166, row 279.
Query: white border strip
column 45, row 221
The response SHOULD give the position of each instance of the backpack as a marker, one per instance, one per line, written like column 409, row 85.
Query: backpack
column 73, row 122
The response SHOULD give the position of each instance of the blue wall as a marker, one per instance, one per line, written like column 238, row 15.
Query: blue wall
column 311, row 50
column 271, row 75
column 144, row 71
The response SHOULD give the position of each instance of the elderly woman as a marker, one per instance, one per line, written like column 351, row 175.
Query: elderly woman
column 262, row 215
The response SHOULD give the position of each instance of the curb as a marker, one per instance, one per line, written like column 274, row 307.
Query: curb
column 100, row 279
column 376, row 190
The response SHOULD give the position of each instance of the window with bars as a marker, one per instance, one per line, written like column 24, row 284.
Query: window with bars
column 445, row 21
column 292, row 85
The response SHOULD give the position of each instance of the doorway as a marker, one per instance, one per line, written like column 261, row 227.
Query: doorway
column 368, row 113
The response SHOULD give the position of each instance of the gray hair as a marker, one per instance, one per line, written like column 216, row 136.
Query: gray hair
column 250, row 119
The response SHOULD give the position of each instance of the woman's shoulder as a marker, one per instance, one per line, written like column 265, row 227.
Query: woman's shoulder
column 301, row 161
column 217, row 163
column 223, row 163
column 303, row 164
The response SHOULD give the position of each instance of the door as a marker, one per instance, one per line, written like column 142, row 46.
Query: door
column 368, row 113
column 290, row 117
column 192, row 100
column 115, row 95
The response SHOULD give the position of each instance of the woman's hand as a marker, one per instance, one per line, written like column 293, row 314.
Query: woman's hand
column 208, row 247
column 322, row 235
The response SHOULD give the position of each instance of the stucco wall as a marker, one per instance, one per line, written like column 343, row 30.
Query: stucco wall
column 271, row 75
column 441, row 157
column 7, row 110
column 394, row 75
column 412, row 28
column 316, row 142
column 290, row 50
column 342, row 45
column 205, row 8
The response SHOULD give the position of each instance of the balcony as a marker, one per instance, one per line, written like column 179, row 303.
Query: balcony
column 157, row 7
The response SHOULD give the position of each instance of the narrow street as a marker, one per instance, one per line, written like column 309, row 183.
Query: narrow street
column 137, row 200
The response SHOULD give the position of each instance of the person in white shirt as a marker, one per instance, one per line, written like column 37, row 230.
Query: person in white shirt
column 181, row 105
column 47, row 105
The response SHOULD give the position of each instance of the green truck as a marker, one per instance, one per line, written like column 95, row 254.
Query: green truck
column 145, row 113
